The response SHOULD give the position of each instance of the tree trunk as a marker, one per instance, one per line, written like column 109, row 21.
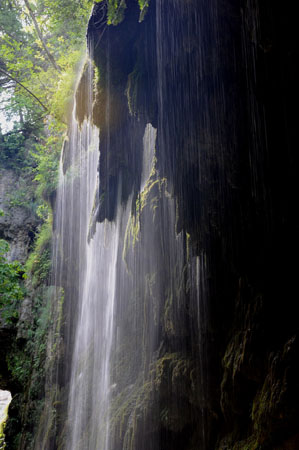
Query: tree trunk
column 40, row 35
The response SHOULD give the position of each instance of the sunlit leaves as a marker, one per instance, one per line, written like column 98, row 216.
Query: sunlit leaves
column 23, row 55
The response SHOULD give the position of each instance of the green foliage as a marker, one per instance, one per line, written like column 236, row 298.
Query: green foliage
column 11, row 150
column 19, row 366
column 31, row 364
column 150, row 196
column 38, row 265
column 38, row 346
column 15, row 148
column 143, row 4
column 116, row 10
column 32, row 145
column 23, row 196
column 62, row 94
column 23, row 54
column 29, row 77
column 46, row 155
column 11, row 290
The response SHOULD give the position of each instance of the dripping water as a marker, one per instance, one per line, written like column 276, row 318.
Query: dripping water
column 85, row 260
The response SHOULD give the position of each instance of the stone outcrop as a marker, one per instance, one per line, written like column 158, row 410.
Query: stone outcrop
column 218, row 81
column 17, row 226
column 19, row 222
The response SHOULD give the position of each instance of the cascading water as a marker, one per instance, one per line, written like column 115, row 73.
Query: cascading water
column 169, row 223
column 138, row 246
column 107, row 269
column 90, row 381
column 85, row 257
column 126, row 282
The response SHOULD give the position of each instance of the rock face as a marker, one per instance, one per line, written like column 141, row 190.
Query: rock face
column 7, row 337
column 217, row 79
column 206, row 349
column 17, row 226
column 19, row 222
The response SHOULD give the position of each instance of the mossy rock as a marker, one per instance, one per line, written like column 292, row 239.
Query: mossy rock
column 152, row 405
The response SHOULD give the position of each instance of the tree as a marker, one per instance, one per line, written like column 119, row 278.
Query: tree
column 41, row 37
column 39, row 46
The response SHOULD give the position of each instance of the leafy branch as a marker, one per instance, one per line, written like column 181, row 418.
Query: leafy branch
column 24, row 87
column 40, row 35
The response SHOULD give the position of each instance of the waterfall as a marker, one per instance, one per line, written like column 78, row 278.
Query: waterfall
column 135, row 294
column 164, row 319
column 85, row 258
column 111, row 273
column 133, row 238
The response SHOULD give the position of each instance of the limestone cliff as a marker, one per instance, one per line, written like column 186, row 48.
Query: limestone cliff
column 205, row 353
column 19, row 222
column 17, row 226
column 217, row 79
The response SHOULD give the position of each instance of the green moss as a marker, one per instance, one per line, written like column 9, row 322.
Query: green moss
column 38, row 265
column 136, row 405
column 46, row 355
column 19, row 365
column 149, row 197
column 127, row 409
column 23, row 195
column 268, row 410
column 261, row 404
column 116, row 10
column 250, row 443
column 150, row 281
column 63, row 93
column 33, row 369
column 168, row 322
column 143, row 4
column 11, row 290
column 46, row 419
column 132, row 89
column 115, row 13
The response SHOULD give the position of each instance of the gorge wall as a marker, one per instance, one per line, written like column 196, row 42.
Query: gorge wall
column 18, row 223
column 17, row 226
column 217, row 80
column 195, row 201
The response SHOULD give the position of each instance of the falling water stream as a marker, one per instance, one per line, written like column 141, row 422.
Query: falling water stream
column 162, row 232
column 171, row 198
column 91, row 267
column 135, row 294
column 93, row 250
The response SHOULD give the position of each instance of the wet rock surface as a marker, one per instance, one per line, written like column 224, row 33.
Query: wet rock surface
column 19, row 221
column 218, row 81
column 222, row 79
